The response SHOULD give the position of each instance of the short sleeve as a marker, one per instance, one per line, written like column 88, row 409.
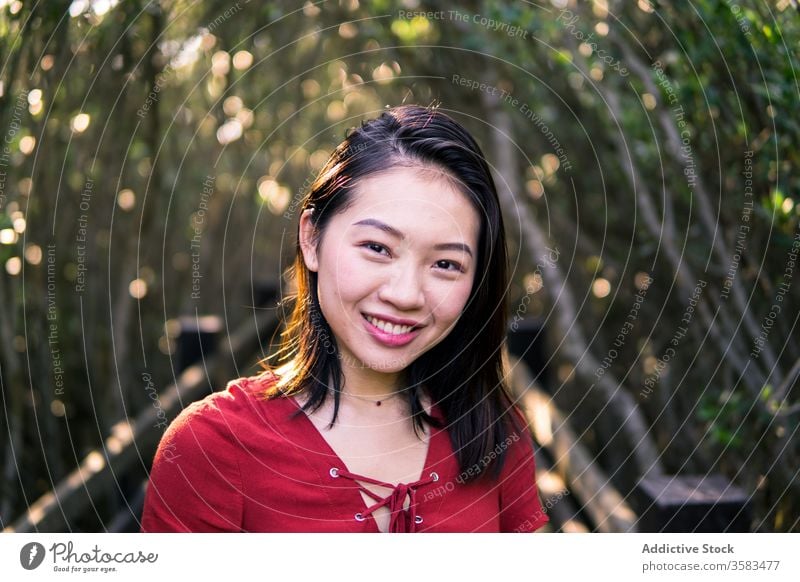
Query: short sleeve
column 195, row 483
column 520, row 508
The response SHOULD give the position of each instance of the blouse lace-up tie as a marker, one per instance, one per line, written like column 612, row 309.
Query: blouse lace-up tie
column 402, row 520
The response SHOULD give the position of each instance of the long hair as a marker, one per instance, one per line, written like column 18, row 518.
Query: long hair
column 464, row 373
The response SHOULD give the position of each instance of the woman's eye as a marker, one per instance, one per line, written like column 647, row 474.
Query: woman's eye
column 378, row 248
column 449, row 265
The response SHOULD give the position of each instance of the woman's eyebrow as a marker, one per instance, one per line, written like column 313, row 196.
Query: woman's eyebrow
column 381, row 226
column 454, row 247
column 375, row 223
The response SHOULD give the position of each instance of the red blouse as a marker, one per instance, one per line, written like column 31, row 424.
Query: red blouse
column 235, row 461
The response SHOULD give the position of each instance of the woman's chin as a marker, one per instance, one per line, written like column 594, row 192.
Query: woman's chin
column 379, row 366
column 384, row 368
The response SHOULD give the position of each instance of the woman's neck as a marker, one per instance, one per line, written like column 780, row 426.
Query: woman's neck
column 366, row 383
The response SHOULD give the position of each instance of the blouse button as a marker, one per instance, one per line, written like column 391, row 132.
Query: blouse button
column 359, row 517
column 418, row 519
column 334, row 472
column 435, row 476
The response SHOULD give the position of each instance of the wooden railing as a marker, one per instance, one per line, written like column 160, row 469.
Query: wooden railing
column 571, row 476
column 132, row 443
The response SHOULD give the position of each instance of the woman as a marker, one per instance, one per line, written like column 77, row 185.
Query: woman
column 390, row 411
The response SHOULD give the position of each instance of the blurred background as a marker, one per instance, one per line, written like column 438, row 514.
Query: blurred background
column 154, row 153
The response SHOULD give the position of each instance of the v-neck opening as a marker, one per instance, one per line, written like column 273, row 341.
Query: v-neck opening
column 433, row 431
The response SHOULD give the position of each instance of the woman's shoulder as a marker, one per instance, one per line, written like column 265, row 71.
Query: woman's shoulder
column 243, row 401
column 244, row 392
column 196, row 481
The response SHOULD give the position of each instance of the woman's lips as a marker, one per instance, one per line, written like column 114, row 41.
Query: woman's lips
column 387, row 337
column 388, row 319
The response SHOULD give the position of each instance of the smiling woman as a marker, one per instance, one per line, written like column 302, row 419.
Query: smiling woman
column 389, row 411
column 397, row 265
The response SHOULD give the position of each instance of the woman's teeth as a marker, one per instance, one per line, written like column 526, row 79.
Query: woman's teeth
column 388, row 327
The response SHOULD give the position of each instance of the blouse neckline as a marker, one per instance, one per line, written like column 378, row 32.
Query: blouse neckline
column 337, row 468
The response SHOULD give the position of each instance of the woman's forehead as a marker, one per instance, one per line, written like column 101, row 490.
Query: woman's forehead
column 394, row 200
column 412, row 186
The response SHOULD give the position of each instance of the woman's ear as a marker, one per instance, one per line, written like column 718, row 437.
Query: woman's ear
column 307, row 244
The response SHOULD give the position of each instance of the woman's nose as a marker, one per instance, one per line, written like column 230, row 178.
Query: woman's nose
column 403, row 289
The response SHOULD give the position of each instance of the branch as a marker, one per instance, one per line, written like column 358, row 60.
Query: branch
column 572, row 342
column 701, row 196
column 684, row 277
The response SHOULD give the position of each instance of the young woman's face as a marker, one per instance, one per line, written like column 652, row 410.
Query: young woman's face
column 395, row 269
